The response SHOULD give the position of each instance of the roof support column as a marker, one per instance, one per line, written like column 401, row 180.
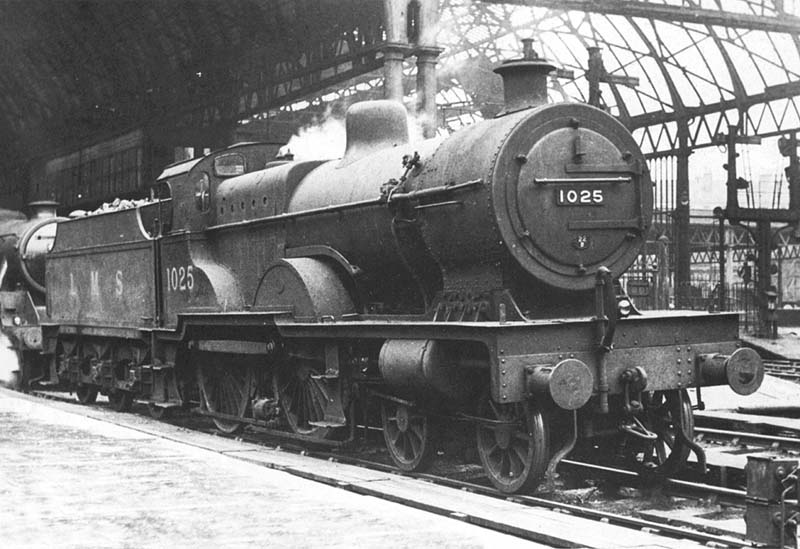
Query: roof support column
column 426, row 27
column 393, row 55
column 682, row 247
column 426, row 89
column 395, row 19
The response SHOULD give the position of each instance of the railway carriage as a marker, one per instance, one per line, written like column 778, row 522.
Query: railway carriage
column 468, row 280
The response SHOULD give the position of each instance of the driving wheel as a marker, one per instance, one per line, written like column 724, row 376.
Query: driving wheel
column 302, row 398
column 226, row 390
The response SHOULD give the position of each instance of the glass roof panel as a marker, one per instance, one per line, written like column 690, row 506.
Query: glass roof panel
column 786, row 48
column 749, row 72
column 791, row 6
column 571, row 51
column 686, row 89
column 708, row 63
column 630, row 39
column 686, row 70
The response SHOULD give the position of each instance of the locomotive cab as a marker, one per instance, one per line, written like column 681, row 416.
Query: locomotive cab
column 194, row 192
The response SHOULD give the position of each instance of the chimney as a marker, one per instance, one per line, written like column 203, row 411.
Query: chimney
column 525, row 79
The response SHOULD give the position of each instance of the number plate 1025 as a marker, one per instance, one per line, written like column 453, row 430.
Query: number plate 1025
column 579, row 197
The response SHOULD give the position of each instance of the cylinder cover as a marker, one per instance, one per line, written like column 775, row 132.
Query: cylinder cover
column 422, row 365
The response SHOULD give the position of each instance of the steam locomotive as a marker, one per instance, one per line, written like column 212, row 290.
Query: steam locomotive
column 468, row 281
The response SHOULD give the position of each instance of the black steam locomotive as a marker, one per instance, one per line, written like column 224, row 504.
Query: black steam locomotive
column 468, row 281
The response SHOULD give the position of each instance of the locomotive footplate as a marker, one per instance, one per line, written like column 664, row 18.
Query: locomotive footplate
column 671, row 352
column 676, row 350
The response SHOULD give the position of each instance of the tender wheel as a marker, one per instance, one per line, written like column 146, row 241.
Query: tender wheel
column 664, row 413
column 512, row 445
column 226, row 390
column 302, row 398
column 408, row 436
column 121, row 401
column 87, row 394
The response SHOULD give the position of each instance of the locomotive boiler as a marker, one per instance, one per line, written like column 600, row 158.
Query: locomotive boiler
column 471, row 280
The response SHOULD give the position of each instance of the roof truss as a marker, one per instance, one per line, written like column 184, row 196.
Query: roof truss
column 780, row 22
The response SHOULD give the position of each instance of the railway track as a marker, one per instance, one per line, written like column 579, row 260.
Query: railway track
column 477, row 484
column 755, row 441
column 784, row 369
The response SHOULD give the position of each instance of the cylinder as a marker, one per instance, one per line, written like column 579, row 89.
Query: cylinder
column 569, row 383
column 743, row 370
column 424, row 366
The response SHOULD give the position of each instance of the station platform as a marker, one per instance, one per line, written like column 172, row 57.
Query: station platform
column 774, row 394
column 786, row 347
column 75, row 477
column 765, row 412
column 71, row 481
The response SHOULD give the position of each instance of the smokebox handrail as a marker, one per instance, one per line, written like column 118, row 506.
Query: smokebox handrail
column 399, row 197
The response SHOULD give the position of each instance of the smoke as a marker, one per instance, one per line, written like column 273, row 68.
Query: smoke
column 9, row 365
column 322, row 140
column 326, row 138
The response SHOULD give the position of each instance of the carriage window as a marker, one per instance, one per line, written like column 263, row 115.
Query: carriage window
column 201, row 193
column 228, row 165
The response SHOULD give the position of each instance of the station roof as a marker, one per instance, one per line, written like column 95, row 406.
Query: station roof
column 72, row 70
column 698, row 64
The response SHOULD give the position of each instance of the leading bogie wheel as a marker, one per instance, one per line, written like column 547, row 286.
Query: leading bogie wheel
column 408, row 436
column 512, row 444
column 226, row 390
column 664, row 413
column 87, row 394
